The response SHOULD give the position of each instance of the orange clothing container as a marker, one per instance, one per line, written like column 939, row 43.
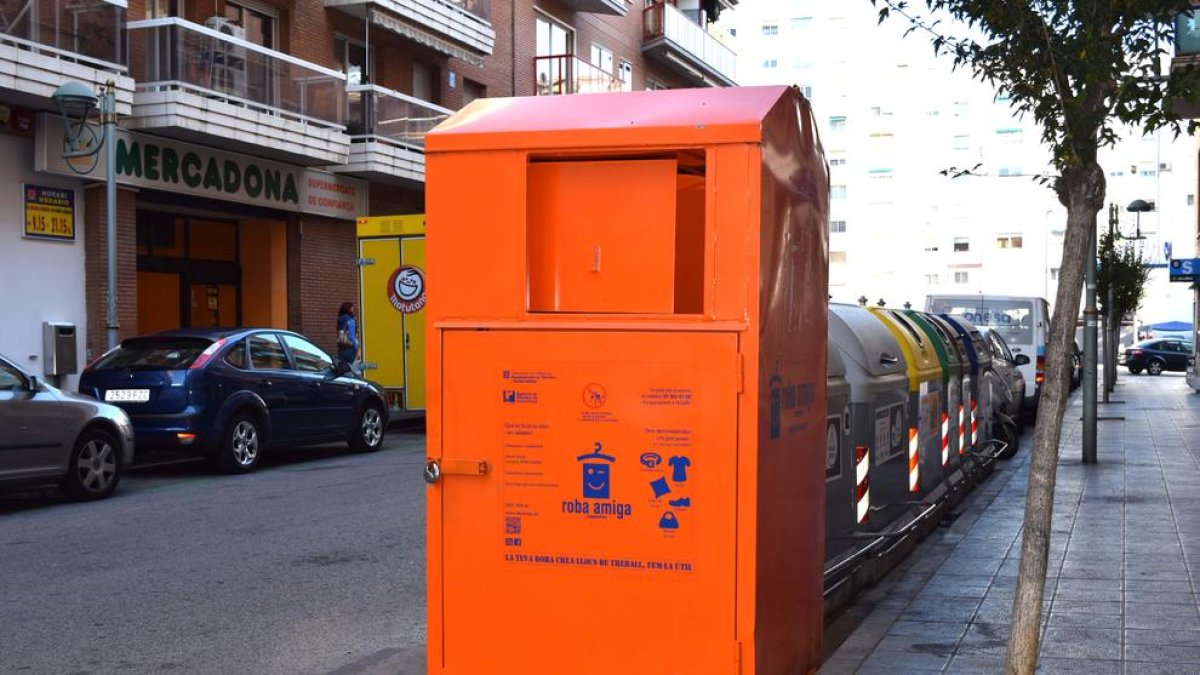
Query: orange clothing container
column 626, row 403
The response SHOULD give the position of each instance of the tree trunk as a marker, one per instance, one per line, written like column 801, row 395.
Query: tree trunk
column 1081, row 190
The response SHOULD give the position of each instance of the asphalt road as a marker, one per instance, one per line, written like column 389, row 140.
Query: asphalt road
column 313, row 564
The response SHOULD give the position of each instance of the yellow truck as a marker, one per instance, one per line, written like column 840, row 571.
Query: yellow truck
column 391, row 263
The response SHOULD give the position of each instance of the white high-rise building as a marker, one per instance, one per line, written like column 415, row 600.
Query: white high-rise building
column 896, row 123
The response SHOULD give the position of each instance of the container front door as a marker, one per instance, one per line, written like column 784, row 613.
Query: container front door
column 602, row 537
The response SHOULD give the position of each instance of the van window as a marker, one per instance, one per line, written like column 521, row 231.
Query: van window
column 1012, row 318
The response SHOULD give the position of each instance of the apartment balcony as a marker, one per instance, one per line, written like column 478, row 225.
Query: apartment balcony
column 205, row 85
column 679, row 42
column 44, row 44
column 567, row 74
column 387, row 134
column 611, row 7
column 458, row 28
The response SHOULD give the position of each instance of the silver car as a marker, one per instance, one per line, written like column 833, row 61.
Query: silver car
column 51, row 436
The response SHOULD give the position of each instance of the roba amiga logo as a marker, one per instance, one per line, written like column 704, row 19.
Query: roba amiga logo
column 406, row 289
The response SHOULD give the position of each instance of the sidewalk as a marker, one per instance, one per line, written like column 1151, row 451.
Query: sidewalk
column 1124, row 557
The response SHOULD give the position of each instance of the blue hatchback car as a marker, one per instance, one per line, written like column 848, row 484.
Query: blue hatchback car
column 229, row 393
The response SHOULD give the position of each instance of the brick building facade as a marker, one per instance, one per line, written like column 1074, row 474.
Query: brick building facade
column 333, row 99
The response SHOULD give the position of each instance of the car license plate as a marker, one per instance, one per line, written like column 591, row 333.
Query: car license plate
column 127, row 395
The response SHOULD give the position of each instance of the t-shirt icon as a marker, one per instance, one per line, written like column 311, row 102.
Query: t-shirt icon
column 680, row 465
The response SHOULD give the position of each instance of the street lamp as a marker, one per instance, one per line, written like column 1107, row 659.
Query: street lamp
column 1139, row 206
column 75, row 102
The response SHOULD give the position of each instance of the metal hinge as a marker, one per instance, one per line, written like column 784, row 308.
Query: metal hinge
column 363, row 262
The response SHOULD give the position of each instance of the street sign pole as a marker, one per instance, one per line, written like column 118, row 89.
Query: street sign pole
column 1089, row 354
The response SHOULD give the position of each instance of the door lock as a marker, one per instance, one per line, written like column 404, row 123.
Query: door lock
column 433, row 472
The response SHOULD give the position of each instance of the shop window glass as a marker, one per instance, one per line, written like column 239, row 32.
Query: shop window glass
column 212, row 240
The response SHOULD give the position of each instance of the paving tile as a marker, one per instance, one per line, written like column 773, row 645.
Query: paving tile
column 1158, row 585
column 1057, row 620
column 1157, row 621
column 1137, row 610
column 1146, row 668
column 1061, row 666
column 985, row 638
column 1087, row 607
column 1174, row 654
column 1082, row 643
column 890, row 663
column 1182, row 638
column 976, row 664
column 936, row 643
column 1162, row 598
column 1089, row 594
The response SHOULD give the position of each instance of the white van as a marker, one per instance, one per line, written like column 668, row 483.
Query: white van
column 1023, row 322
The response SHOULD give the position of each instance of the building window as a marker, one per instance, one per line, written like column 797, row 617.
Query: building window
column 1010, row 241
column 1054, row 274
column 1191, row 200
column 553, row 39
column 472, row 90
column 837, row 226
column 962, row 142
column 1147, row 169
column 806, row 91
column 962, row 278
column 770, row 29
column 839, row 161
column 960, row 108
column 837, row 192
column 837, row 257
column 625, row 73
column 837, row 122
column 801, row 22
column 654, row 85
column 962, row 244
column 259, row 22
column 931, row 280
column 771, row 63
column 602, row 58
column 352, row 60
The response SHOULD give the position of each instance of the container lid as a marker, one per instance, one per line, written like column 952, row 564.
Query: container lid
column 861, row 338
column 632, row 119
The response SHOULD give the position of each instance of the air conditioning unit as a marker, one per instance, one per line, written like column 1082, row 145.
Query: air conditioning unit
column 226, row 26
column 226, row 60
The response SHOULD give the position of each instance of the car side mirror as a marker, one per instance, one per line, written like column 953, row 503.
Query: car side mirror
column 1021, row 360
column 32, row 384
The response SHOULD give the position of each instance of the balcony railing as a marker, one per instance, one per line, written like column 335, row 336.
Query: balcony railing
column 377, row 113
column 480, row 8
column 90, row 32
column 664, row 21
column 172, row 54
column 567, row 74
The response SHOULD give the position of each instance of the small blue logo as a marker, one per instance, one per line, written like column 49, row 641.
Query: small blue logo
column 651, row 460
column 596, row 482
column 510, row 396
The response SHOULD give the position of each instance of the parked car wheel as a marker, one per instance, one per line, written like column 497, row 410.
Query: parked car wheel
column 1155, row 367
column 368, row 433
column 95, row 467
column 1135, row 370
column 242, row 446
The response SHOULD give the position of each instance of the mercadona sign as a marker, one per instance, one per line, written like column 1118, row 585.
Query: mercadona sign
column 158, row 163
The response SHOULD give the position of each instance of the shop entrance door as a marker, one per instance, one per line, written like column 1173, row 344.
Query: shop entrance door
column 210, row 305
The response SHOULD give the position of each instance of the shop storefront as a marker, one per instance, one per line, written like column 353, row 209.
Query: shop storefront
column 215, row 238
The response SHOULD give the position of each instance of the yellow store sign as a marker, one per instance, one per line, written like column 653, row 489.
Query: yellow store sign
column 49, row 212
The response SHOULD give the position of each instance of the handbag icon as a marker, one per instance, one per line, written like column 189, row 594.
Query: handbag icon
column 668, row 521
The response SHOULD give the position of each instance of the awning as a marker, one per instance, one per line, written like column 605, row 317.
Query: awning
column 424, row 37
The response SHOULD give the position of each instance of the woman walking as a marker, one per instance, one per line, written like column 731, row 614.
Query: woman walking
column 347, row 341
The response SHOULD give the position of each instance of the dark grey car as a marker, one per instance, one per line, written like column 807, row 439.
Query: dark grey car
column 51, row 436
